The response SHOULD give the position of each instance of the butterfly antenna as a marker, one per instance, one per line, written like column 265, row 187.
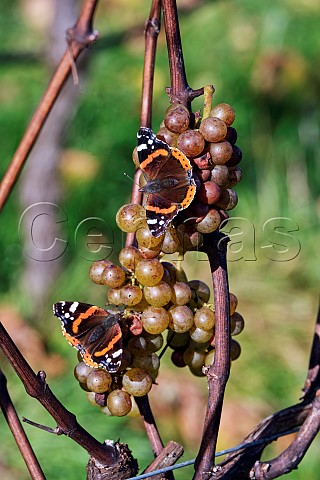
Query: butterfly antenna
column 130, row 178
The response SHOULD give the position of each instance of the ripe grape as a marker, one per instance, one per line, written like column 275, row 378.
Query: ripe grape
column 199, row 335
column 155, row 319
column 210, row 222
column 181, row 293
column 149, row 272
column 99, row 380
column 209, row 193
column 130, row 295
column 237, row 323
column 180, row 318
column 81, row 372
column 167, row 136
column 235, row 350
column 233, row 300
column 213, row 129
column 114, row 296
column 130, row 216
column 119, row 403
column 194, row 359
column 137, row 382
column 158, row 295
column 145, row 237
column 171, row 241
column 113, row 276
column 191, row 143
column 225, row 112
column 96, row 270
column 129, row 256
column 204, row 318
column 177, row 118
column 221, row 152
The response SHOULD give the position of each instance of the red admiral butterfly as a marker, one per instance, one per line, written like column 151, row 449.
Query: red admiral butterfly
column 93, row 331
column 170, row 186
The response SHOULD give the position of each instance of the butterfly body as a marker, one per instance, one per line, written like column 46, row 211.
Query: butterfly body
column 170, row 186
column 92, row 330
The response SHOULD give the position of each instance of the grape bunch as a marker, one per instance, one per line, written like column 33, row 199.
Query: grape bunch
column 157, row 302
column 210, row 145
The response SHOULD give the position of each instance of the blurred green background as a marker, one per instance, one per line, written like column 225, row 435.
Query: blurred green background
column 263, row 59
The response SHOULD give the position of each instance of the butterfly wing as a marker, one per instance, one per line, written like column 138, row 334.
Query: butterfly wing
column 93, row 331
column 152, row 152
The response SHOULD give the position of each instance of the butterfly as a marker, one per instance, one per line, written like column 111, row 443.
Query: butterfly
column 95, row 332
column 170, row 186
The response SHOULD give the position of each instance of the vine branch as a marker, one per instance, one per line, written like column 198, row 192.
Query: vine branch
column 78, row 37
column 37, row 387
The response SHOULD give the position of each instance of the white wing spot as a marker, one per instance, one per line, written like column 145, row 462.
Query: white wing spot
column 74, row 307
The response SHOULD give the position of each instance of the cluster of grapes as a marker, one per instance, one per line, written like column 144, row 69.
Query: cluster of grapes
column 156, row 296
column 210, row 146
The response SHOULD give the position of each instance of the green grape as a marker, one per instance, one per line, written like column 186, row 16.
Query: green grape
column 155, row 320
column 204, row 318
column 129, row 217
column 237, row 323
column 119, row 403
column 149, row 272
column 96, row 270
column 158, row 295
column 180, row 318
column 199, row 335
column 131, row 295
column 181, row 293
column 129, row 256
column 98, row 380
column 81, row 372
column 137, row 382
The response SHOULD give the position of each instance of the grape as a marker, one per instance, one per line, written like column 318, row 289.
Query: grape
column 210, row 222
column 220, row 175
column 191, row 143
column 167, row 136
column 181, row 293
column 113, row 276
column 148, row 362
column 139, row 307
column 199, row 335
column 180, row 318
column 129, row 256
column 228, row 199
column 96, row 270
column 137, row 345
column 170, row 273
column 235, row 158
column 199, row 347
column 235, row 350
column 225, row 112
column 145, row 237
column 149, row 272
column 131, row 295
column 177, row 340
column 200, row 292
column 204, row 318
column 155, row 319
column 204, row 175
column 233, row 302
column 189, row 238
column 213, row 129
column 148, row 253
column 158, row 295
column 135, row 157
column 197, row 372
column 99, row 380
column 177, row 359
column 209, row 358
column 171, row 241
column 177, row 118
column 237, row 323
column 221, row 152
column 130, row 216
column 81, row 372
column 194, row 359
column 231, row 135
column 114, row 296
column 137, row 382
column 154, row 342
column 209, row 193
column 235, row 176
column 119, row 403
column 125, row 359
